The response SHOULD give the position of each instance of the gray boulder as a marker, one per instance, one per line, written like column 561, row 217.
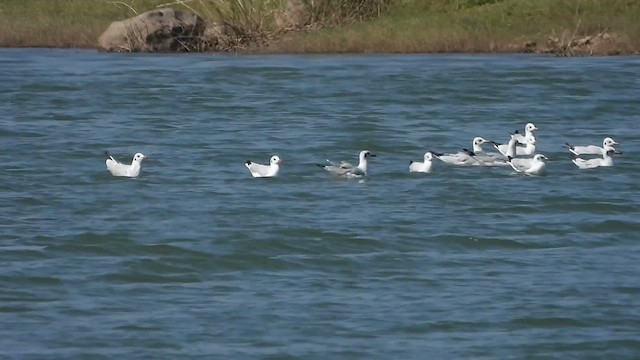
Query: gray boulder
column 161, row 30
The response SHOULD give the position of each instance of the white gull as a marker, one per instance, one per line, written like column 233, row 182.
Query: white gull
column 466, row 157
column 605, row 160
column 425, row 166
column 528, row 149
column 528, row 132
column 348, row 170
column 117, row 168
column 260, row 170
column 592, row 149
column 534, row 166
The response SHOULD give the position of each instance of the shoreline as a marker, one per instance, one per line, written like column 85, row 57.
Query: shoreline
column 546, row 27
column 312, row 53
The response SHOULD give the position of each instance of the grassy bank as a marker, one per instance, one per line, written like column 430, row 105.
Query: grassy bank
column 482, row 26
column 63, row 23
column 408, row 26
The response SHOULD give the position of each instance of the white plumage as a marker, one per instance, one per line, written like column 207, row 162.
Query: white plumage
column 528, row 149
column 607, row 144
column 605, row 160
column 117, row 168
column 534, row 166
column 348, row 170
column 425, row 166
column 528, row 133
column 467, row 157
column 260, row 170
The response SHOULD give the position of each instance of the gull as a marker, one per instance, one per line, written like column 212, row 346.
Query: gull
column 528, row 132
column 426, row 166
column 508, row 150
column 119, row 169
column 534, row 166
column 348, row 170
column 484, row 158
column 259, row 170
column 607, row 144
column 466, row 157
column 528, row 149
column 606, row 160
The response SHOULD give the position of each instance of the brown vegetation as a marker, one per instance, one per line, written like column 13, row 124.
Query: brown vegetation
column 559, row 27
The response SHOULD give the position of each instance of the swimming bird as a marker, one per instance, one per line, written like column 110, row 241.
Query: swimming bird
column 467, row 157
column 507, row 149
column 528, row 132
column 534, row 166
column 528, row 149
column 348, row 170
column 426, row 165
column 606, row 160
column 259, row 170
column 607, row 144
column 119, row 169
column 485, row 158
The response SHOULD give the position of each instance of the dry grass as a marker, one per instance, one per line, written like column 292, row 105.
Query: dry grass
column 478, row 26
column 403, row 26
column 64, row 23
column 58, row 23
column 78, row 23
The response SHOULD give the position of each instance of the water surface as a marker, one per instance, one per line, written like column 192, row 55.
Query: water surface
column 197, row 259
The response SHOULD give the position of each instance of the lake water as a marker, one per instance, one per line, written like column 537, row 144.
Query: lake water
column 196, row 259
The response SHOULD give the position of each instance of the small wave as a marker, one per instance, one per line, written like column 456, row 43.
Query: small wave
column 486, row 243
column 611, row 226
column 548, row 322
column 156, row 271
column 91, row 243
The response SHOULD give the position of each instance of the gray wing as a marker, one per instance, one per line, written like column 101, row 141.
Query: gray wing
column 258, row 170
column 490, row 159
column 459, row 159
column 116, row 168
column 502, row 148
column 587, row 150
column 519, row 137
column 525, row 150
column 337, row 170
column 355, row 172
column 587, row 164
column 521, row 165
column 342, row 164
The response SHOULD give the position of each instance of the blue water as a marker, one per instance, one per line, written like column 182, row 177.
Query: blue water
column 196, row 259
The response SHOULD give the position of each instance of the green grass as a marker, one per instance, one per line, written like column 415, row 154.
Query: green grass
column 409, row 26
column 63, row 23
column 476, row 26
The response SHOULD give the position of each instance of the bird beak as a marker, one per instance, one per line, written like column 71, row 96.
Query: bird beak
column 145, row 157
column 373, row 155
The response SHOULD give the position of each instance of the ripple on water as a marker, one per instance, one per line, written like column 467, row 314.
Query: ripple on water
column 195, row 258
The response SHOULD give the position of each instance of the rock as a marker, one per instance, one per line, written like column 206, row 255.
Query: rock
column 161, row 30
column 218, row 37
column 529, row 47
column 294, row 15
